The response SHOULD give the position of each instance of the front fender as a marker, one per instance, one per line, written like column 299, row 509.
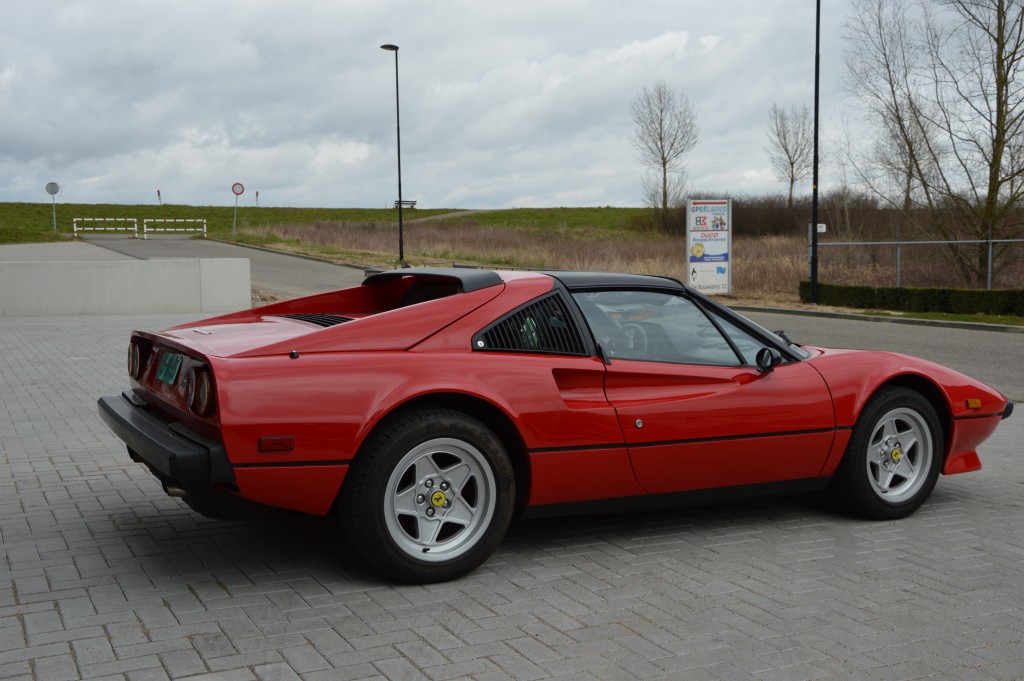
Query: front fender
column 853, row 376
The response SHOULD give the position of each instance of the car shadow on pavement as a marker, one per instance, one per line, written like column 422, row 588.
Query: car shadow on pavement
column 176, row 540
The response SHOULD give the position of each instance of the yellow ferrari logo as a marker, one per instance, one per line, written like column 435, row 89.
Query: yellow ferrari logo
column 896, row 454
column 438, row 498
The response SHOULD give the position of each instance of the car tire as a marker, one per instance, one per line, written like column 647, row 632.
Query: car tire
column 894, row 456
column 429, row 496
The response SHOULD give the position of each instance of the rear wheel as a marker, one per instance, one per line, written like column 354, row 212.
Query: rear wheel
column 429, row 497
column 893, row 459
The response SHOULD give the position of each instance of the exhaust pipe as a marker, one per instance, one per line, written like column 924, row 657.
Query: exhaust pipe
column 174, row 491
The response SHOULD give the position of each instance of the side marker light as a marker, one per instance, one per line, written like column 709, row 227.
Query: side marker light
column 279, row 443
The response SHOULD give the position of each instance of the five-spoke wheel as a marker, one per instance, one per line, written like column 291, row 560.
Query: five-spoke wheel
column 441, row 498
column 893, row 458
column 899, row 455
column 429, row 496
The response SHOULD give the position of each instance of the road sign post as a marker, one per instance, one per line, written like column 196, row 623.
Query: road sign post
column 52, row 188
column 237, row 189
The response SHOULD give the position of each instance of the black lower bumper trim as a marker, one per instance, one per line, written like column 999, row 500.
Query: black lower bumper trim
column 677, row 500
column 1008, row 410
column 169, row 449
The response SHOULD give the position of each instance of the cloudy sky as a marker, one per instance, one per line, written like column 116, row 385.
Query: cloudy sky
column 512, row 104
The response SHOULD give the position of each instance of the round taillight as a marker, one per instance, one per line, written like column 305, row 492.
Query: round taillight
column 200, row 392
column 134, row 360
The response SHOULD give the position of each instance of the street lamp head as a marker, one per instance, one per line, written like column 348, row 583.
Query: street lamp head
column 389, row 48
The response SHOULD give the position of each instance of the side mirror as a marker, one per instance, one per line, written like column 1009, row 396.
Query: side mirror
column 768, row 359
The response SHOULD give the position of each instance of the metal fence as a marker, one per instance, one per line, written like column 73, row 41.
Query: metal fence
column 898, row 248
column 119, row 225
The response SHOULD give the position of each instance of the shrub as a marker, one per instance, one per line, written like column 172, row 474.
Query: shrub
column 955, row 301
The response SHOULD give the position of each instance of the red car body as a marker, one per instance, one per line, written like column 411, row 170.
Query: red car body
column 275, row 405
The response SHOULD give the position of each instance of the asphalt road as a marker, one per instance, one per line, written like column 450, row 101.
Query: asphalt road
column 277, row 273
column 997, row 358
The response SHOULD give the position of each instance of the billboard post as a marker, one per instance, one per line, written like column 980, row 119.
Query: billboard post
column 709, row 245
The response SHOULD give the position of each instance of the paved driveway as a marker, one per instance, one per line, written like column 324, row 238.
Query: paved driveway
column 104, row 577
column 278, row 273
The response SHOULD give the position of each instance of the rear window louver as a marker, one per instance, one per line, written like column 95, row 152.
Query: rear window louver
column 544, row 326
column 317, row 318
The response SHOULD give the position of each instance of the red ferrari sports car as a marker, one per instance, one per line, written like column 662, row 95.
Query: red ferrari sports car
column 427, row 407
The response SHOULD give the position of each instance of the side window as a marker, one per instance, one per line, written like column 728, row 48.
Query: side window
column 543, row 326
column 655, row 326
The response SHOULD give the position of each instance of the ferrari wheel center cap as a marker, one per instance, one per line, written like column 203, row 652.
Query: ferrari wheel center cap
column 896, row 455
column 438, row 498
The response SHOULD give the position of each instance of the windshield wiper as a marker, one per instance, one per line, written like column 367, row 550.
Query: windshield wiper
column 783, row 336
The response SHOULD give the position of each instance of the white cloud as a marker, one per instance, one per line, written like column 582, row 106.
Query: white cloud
column 501, row 104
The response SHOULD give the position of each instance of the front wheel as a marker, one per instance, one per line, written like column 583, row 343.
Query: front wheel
column 429, row 497
column 893, row 459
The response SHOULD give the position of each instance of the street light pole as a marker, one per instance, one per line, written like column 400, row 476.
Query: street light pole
column 398, row 134
column 814, row 182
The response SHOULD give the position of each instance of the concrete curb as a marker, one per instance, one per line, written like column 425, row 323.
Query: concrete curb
column 974, row 326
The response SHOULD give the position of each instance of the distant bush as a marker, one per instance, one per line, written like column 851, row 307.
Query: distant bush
column 953, row 301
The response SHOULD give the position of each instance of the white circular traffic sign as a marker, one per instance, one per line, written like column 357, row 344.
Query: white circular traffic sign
column 237, row 188
column 52, row 188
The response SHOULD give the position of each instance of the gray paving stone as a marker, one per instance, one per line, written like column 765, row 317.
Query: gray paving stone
column 232, row 663
column 89, row 671
column 363, row 672
column 103, row 577
column 55, row 667
column 17, row 671
column 275, row 672
column 147, row 675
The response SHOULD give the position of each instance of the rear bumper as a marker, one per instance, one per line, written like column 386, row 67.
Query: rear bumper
column 172, row 452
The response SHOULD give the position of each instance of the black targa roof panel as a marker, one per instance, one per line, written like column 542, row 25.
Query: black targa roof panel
column 468, row 279
column 599, row 280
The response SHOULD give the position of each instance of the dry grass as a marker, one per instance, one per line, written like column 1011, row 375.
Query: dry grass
column 765, row 268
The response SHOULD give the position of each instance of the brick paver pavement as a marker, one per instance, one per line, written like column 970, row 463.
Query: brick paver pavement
column 104, row 577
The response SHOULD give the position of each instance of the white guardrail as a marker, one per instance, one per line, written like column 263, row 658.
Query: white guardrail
column 146, row 229
column 129, row 225
column 196, row 225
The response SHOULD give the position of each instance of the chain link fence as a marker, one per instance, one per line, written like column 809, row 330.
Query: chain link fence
column 997, row 263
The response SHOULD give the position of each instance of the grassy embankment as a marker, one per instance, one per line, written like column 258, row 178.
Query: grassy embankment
column 766, row 269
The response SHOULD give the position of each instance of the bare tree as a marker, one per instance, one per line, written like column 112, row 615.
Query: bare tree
column 665, row 129
column 790, row 145
column 940, row 80
column 653, row 188
column 886, row 72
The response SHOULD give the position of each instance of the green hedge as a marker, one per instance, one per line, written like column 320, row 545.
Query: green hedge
column 954, row 301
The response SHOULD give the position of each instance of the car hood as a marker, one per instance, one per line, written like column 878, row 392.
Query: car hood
column 854, row 375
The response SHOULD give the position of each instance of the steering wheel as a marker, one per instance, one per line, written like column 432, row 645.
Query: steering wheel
column 630, row 341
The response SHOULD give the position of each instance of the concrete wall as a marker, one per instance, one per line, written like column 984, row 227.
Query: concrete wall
column 30, row 289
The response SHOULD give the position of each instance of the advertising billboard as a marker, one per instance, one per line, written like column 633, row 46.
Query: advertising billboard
column 709, row 243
